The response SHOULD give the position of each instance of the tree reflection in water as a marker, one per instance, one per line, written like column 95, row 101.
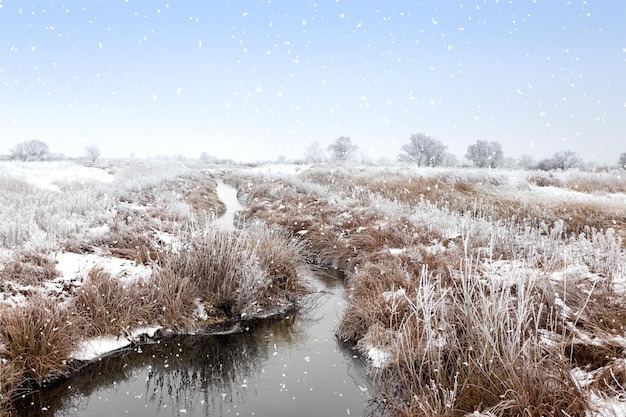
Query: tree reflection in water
column 274, row 367
column 184, row 373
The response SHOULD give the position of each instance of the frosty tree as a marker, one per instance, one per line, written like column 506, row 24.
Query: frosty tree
column 561, row 160
column 30, row 150
column 314, row 153
column 423, row 151
column 621, row 161
column 92, row 152
column 485, row 154
column 342, row 149
column 526, row 162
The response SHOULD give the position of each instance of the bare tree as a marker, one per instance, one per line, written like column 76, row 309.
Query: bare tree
column 449, row 160
column 92, row 152
column 526, row 162
column 561, row 160
column 423, row 151
column 621, row 161
column 342, row 149
column 314, row 153
column 30, row 150
column 485, row 154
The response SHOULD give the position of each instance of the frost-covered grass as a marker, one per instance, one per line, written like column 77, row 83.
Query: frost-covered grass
column 494, row 292
column 93, row 258
column 471, row 291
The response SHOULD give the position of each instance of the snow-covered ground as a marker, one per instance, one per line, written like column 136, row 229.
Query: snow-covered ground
column 72, row 268
column 46, row 175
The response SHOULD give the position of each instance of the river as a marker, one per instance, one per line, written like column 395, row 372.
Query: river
column 287, row 366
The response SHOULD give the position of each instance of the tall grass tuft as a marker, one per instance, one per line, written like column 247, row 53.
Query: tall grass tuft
column 474, row 346
column 170, row 299
column 38, row 337
column 110, row 306
column 237, row 272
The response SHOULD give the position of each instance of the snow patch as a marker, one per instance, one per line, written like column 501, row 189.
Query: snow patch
column 378, row 356
column 397, row 251
column 94, row 348
column 200, row 312
column 44, row 175
column 74, row 265
column 393, row 295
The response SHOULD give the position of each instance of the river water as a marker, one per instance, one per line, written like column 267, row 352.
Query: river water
column 283, row 367
column 288, row 366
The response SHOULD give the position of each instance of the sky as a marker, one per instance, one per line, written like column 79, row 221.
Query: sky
column 255, row 80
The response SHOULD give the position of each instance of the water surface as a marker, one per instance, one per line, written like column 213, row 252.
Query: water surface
column 288, row 366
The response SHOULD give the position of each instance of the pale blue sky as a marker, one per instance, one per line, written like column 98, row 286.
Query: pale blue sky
column 258, row 79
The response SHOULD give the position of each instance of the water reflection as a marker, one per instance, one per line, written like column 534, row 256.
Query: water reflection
column 276, row 368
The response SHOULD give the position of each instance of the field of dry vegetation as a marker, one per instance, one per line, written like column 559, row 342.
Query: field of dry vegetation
column 470, row 291
column 144, row 255
column 483, row 292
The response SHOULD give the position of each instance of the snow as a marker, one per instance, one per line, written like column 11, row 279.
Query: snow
column 603, row 406
column 378, row 356
column 75, row 265
column 45, row 175
column 98, row 347
column 393, row 295
column 280, row 168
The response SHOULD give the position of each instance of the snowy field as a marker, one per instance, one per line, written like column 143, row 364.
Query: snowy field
column 482, row 291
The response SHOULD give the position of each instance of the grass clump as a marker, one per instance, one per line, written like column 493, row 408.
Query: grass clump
column 240, row 273
column 110, row 306
column 29, row 268
column 38, row 338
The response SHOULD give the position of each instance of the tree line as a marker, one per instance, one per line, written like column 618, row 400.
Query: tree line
column 425, row 151
column 421, row 150
column 36, row 150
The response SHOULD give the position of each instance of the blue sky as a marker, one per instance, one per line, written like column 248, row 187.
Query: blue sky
column 255, row 80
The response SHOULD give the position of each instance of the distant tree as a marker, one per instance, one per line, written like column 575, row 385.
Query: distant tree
column 561, row 160
column 423, row 151
column 526, row 162
column 449, row 160
column 205, row 157
column 30, row 150
column 342, row 149
column 314, row 153
column 92, row 152
column 485, row 154
column 621, row 161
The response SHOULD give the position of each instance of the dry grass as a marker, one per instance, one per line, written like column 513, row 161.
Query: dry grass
column 169, row 299
column 238, row 272
column 482, row 291
column 201, row 196
column 470, row 312
column 29, row 268
column 38, row 338
column 10, row 378
column 110, row 306
column 471, row 346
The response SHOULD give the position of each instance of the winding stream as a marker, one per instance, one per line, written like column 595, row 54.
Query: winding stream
column 287, row 366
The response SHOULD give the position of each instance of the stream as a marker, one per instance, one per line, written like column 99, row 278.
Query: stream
column 290, row 365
